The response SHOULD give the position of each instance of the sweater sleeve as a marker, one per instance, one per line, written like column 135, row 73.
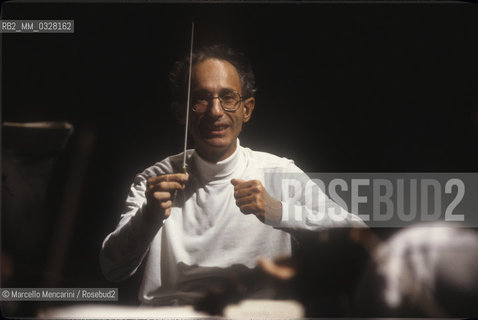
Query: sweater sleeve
column 305, row 206
column 124, row 249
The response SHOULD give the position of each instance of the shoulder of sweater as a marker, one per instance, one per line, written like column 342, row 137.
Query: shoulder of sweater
column 267, row 160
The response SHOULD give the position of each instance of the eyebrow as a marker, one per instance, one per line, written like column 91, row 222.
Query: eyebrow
column 221, row 91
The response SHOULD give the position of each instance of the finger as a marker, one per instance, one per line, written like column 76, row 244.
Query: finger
column 237, row 181
column 177, row 177
column 161, row 195
column 253, row 190
column 245, row 200
column 248, row 208
column 278, row 271
column 240, row 193
column 165, row 186
column 166, row 204
column 167, row 212
column 285, row 260
column 246, row 184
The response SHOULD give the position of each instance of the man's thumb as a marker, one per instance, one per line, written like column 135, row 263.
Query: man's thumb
column 235, row 182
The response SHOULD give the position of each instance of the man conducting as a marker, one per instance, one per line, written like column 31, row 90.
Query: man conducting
column 228, row 210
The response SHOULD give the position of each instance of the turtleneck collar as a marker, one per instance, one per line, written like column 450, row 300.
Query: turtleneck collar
column 212, row 172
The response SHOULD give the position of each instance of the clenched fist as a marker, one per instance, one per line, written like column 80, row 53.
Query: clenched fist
column 252, row 198
column 160, row 194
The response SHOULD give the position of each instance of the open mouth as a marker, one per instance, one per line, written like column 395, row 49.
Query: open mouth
column 215, row 130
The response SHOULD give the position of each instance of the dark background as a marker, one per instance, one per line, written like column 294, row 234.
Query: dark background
column 342, row 88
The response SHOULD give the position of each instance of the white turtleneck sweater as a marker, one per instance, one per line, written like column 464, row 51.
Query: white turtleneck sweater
column 206, row 235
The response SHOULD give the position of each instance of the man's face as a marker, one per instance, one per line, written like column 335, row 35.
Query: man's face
column 215, row 131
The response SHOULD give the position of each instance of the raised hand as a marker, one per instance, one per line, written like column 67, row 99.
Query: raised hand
column 160, row 193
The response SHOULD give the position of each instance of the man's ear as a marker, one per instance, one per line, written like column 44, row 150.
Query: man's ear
column 248, row 108
column 179, row 112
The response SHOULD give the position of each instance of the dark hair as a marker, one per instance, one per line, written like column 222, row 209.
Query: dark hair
column 178, row 77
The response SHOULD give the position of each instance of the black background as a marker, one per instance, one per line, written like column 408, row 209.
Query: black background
column 342, row 88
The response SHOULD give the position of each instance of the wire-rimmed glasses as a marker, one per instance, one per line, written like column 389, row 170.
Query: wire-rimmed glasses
column 229, row 101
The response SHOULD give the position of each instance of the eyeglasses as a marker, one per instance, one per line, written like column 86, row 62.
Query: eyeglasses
column 229, row 101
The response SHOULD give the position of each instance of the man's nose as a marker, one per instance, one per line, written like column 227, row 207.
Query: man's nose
column 216, row 108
